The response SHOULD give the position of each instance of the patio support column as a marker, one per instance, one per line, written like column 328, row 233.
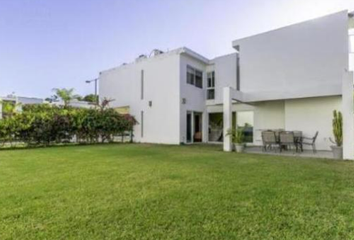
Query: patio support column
column 227, row 111
column 192, row 127
column 0, row 109
column 205, row 127
column 348, row 116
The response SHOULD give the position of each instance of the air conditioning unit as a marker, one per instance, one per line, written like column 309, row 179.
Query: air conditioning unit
column 141, row 57
column 157, row 52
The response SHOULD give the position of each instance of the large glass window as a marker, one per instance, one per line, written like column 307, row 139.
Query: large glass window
column 245, row 121
column 211, row 85
column 194, row 77
column 216, row 127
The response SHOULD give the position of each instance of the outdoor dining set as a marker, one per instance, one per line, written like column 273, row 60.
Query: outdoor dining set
column 287, row 140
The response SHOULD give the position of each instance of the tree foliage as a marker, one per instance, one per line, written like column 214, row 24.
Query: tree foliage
column 66, row 95
column 92, row 98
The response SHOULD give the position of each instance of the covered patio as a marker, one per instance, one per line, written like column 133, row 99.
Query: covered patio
column 298, row 114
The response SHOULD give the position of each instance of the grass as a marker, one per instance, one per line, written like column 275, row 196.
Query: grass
column 172, row 192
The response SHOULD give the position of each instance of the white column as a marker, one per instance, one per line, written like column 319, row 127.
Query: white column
column 348, row 116
column 205, row 126
column 227, row 118
column 192, row 127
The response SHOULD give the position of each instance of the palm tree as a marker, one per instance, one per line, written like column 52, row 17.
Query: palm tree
column 66, row 95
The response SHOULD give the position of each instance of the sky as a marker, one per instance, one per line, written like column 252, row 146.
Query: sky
column 46, row 44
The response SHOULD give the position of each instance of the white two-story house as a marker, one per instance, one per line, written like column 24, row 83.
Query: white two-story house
column 290, row 78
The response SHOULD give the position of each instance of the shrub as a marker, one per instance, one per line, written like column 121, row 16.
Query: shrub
column 45, row 125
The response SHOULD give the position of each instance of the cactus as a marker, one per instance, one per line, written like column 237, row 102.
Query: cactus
column 337, row 124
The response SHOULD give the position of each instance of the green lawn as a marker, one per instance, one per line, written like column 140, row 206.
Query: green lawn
column 172, row 192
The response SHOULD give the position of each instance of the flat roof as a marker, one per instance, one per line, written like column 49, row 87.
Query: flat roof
column 237, row 41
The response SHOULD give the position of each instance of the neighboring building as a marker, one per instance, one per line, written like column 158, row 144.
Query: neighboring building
column 75, row 103
column 19, row 100
column 291, row 78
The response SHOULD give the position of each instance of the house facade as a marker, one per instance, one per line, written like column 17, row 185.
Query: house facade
column 290, row 78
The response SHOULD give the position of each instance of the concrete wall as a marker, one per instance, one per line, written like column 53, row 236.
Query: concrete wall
column 311, row 115
column 292, row 62
column 161, row 87
column 268, row 115
column 225, row 74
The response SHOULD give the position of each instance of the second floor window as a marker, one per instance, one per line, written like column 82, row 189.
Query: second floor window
column 211, row 85
column 194, row 77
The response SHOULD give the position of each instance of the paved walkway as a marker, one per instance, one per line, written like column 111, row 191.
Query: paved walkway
column 306, row 153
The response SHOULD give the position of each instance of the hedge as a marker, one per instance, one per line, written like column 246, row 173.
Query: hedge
column 47, row 125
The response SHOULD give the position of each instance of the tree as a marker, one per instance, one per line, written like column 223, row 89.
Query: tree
column 66, row 95
column 52, row 99
column 92, row 98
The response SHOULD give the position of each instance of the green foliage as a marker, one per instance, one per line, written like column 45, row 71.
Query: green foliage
column 237, row 135
column 9, row 108
column 92, row 98
column 46, row 125
column 66, row 95
column 337, row 125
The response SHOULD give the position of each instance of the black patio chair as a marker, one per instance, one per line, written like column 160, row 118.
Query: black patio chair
column 298, row 139
column 310, row 142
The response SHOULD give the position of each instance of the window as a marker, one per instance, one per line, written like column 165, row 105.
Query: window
column 190, row 75
column 198, row 79
column 142, row 84
column 194, row 77
column 211, row 85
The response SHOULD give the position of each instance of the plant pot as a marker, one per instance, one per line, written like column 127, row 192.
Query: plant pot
column 239, row 148
column 337, row 152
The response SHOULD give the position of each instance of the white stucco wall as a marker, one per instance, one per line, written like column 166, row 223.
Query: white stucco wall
column 195, row 97
column 161, row 86
column 268, row 115
column 302, row 60
column 311, row 115
column 225, row 74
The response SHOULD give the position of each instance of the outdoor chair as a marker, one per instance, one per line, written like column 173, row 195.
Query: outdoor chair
column 287, row 140
column 298, row 139
column 269, row 140
column 311, row 142
column 198, row 137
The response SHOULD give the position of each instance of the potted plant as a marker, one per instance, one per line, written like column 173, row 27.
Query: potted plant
column 337, row 125
column 237, row 137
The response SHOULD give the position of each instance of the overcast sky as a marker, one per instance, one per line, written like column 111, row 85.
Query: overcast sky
column 60, row 43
